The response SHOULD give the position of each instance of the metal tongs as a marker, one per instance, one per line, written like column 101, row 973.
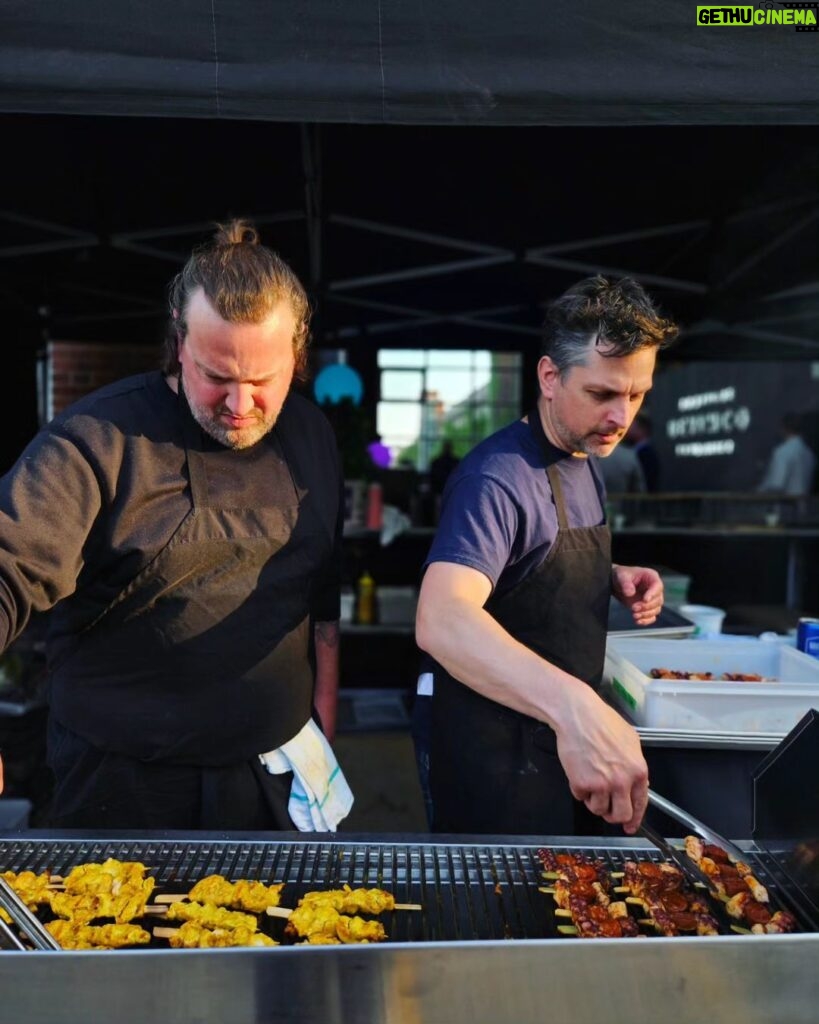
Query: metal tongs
column 691, row 870
column 28, row 924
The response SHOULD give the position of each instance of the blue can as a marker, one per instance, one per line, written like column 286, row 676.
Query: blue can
column 807, row 636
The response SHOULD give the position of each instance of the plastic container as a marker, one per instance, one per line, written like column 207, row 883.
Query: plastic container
column 396, row 605
column 708, row 620
column 712, row 706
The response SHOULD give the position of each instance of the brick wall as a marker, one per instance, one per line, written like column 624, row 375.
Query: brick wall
column 73, row 368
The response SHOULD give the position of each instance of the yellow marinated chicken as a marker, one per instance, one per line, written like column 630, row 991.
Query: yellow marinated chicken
column 104, row 936
column 353, row 901
column 32, row 889
column 210, row 916
column 310, row 919
column 254, row 897
column 84, row 907
column 192, row 935
column 111, row 876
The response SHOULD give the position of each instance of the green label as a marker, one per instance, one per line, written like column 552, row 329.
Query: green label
column 621, row 691
column 798, row 15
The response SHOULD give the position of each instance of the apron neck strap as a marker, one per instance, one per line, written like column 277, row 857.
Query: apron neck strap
column 548, row 453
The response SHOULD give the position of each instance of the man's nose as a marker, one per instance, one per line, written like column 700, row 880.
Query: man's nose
column 620, row 413
column 239, row 399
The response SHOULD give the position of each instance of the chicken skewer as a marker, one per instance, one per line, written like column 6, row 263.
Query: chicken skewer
column 350, row 901
column 316, row 921
column 244, row 894
column 207, row 915
column 193, row 935
column 105, row 936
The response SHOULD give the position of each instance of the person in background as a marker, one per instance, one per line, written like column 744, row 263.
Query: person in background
column 621, row 471
column 792, row 463
column 441, row 466
column 440, row 469
column 182, row 527
column 514, row 600
column 639, row 437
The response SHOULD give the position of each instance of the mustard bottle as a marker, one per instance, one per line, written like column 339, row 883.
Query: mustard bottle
column 365, row 610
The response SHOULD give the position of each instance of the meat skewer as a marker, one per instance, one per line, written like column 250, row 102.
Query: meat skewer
column 672, row 908
column 313, row 919
column 193, row 935
column 746, row 899
column 207, row 915
column 105, row 936
column 350, row 901
column 582, row 890
column 244, row 894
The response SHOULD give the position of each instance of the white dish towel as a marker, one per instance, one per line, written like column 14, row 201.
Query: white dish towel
column 319, row 797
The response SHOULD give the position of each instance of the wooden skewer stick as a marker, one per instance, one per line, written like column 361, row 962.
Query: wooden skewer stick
column 164, row 933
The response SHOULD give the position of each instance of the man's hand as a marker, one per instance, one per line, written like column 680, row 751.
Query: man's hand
column 601, row 755
column 641, row 590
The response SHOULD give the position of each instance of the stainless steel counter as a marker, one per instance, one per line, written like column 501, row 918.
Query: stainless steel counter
column 720, row 979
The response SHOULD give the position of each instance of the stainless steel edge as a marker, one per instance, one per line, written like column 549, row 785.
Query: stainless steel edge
column 498, row 982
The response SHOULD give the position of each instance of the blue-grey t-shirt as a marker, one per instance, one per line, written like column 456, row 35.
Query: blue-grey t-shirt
column 498, row 515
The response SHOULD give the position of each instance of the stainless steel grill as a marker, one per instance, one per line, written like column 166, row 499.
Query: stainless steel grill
column 467, row 891
column 452, row 963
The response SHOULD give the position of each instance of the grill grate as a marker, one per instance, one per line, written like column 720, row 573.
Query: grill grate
column 467, row 892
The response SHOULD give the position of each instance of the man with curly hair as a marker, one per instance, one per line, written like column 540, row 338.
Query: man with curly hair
column 514, row 601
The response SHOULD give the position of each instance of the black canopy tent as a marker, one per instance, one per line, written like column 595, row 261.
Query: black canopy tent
column 408, row 62
column 434, row 173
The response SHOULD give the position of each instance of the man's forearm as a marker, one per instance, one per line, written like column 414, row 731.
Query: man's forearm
column 476, row 650
column 325, row 696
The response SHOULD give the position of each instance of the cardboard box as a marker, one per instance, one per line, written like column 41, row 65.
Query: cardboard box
column 720, row 706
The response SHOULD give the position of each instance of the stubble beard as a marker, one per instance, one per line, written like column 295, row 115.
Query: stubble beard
column 234, row 439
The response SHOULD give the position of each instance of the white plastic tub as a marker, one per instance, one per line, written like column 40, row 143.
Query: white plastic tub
column 706, row 618
column 719, row 706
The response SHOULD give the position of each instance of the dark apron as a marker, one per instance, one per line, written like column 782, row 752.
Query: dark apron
column 199, row 665
column 492, row 769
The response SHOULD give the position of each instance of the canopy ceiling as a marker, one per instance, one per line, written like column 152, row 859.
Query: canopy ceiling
column 434, row 172
column 406, row 61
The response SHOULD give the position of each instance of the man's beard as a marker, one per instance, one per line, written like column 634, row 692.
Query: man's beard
column 245, row 437
column 585, row 444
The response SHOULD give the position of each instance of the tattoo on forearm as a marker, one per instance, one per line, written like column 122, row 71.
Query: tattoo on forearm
column 327, row 633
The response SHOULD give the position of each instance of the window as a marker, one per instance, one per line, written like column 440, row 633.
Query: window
column 431, row 395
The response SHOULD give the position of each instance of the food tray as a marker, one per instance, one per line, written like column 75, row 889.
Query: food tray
column 720, row 706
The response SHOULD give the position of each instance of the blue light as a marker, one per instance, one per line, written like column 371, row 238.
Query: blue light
column 336, row 382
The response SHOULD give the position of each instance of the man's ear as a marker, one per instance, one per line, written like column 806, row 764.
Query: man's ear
column 547, row 376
